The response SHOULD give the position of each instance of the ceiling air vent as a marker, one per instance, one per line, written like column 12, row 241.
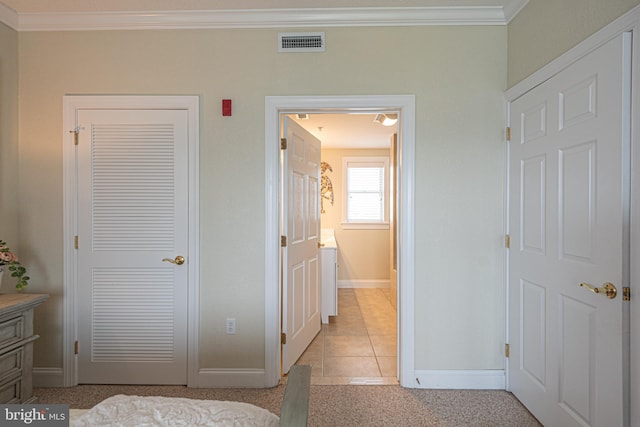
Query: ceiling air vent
column 300, row 42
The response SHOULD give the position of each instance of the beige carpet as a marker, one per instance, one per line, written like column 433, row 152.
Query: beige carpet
column 339, row 406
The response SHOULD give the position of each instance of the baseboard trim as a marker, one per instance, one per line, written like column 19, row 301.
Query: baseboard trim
column 218, row 378
column 207, row 378
column 255, row 378
column 48, row 377
column 364, row 284
column 461, row 379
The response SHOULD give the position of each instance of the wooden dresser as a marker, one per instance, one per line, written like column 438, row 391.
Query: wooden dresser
column 16, row 346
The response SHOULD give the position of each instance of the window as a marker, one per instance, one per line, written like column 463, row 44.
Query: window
column 366, row 198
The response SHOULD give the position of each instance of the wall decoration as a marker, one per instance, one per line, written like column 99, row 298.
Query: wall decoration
column 326, row 188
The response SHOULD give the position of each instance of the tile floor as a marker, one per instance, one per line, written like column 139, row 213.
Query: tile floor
column 359, row 345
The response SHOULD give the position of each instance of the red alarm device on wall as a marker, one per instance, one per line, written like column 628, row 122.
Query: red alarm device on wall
column 226, row 107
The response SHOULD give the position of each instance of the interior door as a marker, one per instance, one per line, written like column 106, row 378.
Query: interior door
column 567, row 222
column 301, row 226
column 132, row 210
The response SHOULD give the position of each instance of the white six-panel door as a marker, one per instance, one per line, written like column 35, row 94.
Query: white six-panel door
column 301, row 225
column 566, row 226
column 132, row 210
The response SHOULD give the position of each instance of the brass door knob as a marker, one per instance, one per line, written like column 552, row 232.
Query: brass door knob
column 608, row 289
column 179, row 260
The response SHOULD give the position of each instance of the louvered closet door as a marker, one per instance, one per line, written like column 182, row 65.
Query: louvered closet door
column 132, row 213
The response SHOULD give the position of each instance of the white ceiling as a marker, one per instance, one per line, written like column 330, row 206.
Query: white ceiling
column 348, row 130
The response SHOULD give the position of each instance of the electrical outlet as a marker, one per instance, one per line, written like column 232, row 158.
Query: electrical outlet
column 231, row 325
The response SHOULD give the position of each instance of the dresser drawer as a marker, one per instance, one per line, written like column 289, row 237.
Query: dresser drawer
column 11, row 364
column 10, row 392
column 11, row 331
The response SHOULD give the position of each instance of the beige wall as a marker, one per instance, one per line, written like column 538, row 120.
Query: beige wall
column 457, row 74
column 363, row 254
column 9, row 192
column 545, row 29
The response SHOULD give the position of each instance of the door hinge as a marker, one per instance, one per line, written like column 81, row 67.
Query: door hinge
column 507, row 133
column 283, row 338
column 626, row 294
column 283, row 143
column 76, row 347
column 283, row 241
column 507, row 350
column 75, row 242
column 507, row 241
column 75, row 136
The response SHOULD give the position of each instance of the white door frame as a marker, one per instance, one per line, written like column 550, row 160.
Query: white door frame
column 276, row 105
column 70, row 105
column 631, row 312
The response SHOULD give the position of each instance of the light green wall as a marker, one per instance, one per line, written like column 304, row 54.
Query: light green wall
column 9, row 136
column 545, row 29
column 363, row 254
column 458, row 75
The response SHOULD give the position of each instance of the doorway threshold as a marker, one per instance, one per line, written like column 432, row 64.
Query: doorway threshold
column 354, row 381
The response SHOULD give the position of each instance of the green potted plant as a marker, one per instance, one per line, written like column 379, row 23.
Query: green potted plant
column 9, row 261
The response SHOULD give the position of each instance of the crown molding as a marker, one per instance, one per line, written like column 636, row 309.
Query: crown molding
column 263, row 18
column 512, row 8
column 8, row 16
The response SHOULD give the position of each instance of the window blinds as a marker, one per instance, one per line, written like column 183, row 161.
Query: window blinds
column 365, row 188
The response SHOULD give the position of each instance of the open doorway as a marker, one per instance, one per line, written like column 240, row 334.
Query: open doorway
column 357, row 343
column 275, row 108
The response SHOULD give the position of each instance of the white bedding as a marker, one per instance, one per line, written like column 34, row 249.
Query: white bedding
column 137, row 411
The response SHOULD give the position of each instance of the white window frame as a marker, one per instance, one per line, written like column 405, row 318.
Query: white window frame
column 370, row 225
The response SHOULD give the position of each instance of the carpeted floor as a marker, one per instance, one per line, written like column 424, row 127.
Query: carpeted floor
column 343, row 405
column 339, row 405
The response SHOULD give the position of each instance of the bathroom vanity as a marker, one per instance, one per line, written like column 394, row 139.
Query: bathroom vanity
column 329, row 273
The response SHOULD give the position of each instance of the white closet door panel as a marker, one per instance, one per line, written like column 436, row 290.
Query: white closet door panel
column 132, row 214
column 533, row 348
column 567, row 227
column 133, row 186
column 133, row 316
column 533, row 205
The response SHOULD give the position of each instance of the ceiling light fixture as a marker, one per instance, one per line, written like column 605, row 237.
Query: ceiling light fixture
column 386, row 119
